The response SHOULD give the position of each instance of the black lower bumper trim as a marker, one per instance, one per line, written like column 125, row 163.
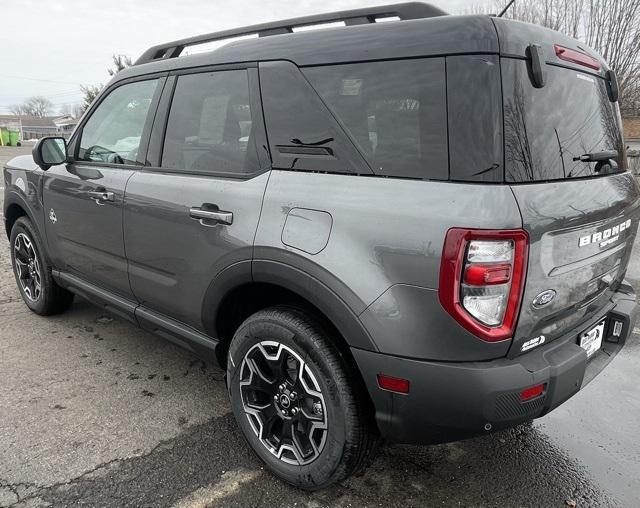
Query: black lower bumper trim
column 452, row 401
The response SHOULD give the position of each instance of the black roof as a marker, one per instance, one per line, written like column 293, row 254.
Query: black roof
column 375, row 41
column 423, row 31
column 405, row 11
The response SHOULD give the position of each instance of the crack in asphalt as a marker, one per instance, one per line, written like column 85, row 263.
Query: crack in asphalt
column 515, row 467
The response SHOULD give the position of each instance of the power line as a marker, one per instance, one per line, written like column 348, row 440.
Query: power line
column 39, row 79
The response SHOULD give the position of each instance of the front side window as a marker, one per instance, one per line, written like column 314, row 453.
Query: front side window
column 209, row 127
column 394, row 110
column 113, row 132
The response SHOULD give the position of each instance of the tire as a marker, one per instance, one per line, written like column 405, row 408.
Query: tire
column 49, row 298
column 292, row 336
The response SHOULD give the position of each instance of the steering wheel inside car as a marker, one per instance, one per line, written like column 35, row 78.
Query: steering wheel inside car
column 102, row 154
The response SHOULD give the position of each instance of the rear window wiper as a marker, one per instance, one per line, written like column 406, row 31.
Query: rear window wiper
column 597, row 156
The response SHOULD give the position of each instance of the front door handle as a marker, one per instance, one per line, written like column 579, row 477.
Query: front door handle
column 102, row 196
column 211, row 215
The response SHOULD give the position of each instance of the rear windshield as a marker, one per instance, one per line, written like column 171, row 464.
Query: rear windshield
column 550, row 131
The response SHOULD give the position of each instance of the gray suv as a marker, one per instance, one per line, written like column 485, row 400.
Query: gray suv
column 415, row 230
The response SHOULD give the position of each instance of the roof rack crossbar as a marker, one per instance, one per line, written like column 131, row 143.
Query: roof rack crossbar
column 404, row 11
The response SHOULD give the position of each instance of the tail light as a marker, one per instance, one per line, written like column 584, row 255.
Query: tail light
column 482, row 275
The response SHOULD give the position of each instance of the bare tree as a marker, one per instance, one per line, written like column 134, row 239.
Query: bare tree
column 39, row 106
column 65, row 110
column 120, row 62
column 17, row 109
column 73, row 110
column 611, row 27
column 34, row 106
column 77, row 110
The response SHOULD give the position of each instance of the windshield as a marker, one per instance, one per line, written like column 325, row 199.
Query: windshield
column 566, row 129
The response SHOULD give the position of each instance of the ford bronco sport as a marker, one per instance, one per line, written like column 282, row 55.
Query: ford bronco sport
column 415, row 230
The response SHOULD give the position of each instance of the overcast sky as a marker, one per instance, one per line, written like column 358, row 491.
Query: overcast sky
column 50, row 47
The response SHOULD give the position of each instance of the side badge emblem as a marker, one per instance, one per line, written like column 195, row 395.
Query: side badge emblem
column 544, row 298
column 52, row 216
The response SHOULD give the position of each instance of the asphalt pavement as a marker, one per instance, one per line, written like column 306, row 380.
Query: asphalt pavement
column 95, row 412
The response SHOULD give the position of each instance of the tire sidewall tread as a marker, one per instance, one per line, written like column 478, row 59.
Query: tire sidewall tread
column 53, row 299
column 348, row 439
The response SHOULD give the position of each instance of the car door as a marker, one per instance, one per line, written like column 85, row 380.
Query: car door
column 194, row 210
column 83, row 199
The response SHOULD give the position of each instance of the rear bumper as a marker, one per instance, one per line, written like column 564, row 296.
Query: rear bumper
column 450, row 401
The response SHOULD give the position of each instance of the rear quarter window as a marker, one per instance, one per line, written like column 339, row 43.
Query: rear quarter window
column 303, row 134
column 475, row 118
column 394, row 111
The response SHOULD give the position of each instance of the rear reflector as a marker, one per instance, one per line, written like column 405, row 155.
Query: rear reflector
column 532, row 392
column 393, row 384
column 571, row 55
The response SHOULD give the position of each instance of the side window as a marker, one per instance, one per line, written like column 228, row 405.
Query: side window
column 475, row 118
column 113, row 132
column 303, row 134
column 210, row 127
column 394, row 110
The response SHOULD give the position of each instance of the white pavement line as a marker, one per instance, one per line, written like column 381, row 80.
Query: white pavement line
column 229, row 484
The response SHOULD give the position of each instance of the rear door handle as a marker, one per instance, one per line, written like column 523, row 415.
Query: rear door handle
column 212, row 215
column 102, row 196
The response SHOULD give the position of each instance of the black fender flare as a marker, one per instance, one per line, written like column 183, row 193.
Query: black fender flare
column 313, row 290
column 15, row 198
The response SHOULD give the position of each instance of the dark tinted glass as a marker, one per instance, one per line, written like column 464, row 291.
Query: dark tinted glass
column 475, row 118
column 113, row 132
column 209, row 127
column 548, row 129
column 395, row 111
column 302, row 132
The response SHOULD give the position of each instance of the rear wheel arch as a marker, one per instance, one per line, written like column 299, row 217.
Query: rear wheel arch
column 245, row 288
column 235, row 295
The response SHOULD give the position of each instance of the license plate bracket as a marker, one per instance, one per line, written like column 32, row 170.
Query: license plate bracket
column 591, row 340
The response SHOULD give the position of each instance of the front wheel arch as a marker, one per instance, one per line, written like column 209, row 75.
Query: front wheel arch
column 13, row 212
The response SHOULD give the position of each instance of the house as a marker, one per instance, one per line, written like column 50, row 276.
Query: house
column 631, row 132
column 32, row 127
column 65, row 124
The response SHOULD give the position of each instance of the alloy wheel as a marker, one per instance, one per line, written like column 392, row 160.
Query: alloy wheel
column 27, row 267
column 283, row 402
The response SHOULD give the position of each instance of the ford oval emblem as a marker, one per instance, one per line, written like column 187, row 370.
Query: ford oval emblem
column 544, row 298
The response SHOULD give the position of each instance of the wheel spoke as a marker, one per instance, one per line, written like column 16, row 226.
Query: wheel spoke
column 270, row 419
column 32, row 287
column 259, row 381
column 301, row 442
column 22, row 268
column 21, row 251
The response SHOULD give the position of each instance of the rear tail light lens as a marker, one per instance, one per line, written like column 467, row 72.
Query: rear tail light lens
column 571, row 55
column 482, row 278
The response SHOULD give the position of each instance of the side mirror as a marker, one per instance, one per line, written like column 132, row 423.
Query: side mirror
column 50, row 151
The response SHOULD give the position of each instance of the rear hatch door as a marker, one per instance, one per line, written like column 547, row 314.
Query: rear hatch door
column 581, row 214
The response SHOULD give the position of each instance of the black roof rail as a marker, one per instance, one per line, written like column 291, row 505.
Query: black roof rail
column 404, row 11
